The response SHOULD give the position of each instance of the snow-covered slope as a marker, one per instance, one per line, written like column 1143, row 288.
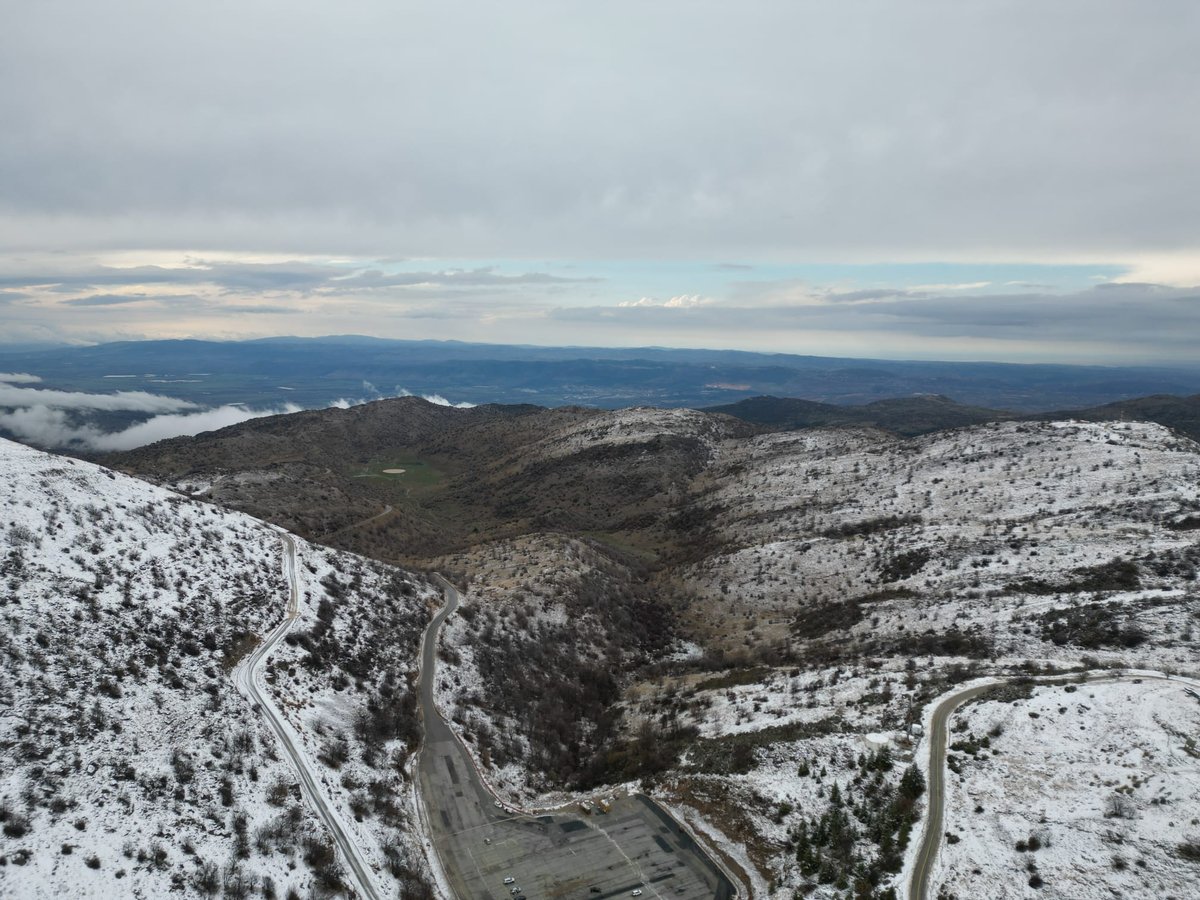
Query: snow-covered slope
column 129, row 764
column 970, row 529
column 1078, row 791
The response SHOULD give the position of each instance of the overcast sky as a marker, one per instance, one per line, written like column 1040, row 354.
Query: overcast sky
column 918, row 179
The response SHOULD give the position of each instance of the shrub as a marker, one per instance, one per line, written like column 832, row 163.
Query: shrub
column 207, row 877
column 16, row 825
column 1118, row 806
column 1189, row 850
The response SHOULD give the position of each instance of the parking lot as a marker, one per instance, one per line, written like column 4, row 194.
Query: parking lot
column 635, row 846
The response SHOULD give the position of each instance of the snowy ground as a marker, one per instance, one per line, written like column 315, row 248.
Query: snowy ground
column 129, row 765
column 987, row 549
column 957, row 520
column 1092, row 787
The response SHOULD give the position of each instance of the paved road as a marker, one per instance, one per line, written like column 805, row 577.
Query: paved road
column 931, row 838
column 936, row 778
column 552, row 856
column 246, row 677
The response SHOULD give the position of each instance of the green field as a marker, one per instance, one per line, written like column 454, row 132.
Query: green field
column 418, row 473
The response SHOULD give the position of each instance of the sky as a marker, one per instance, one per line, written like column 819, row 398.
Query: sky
column 998, row 180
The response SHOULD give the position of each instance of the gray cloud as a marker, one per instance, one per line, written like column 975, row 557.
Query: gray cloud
column 1129, row 322
column 867, row 130
column 105, row 300
column 373, row 278
column 298, row 277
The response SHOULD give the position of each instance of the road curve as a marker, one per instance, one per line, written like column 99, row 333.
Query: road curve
column 431, row 715
column 246, row 677
column 931, row 837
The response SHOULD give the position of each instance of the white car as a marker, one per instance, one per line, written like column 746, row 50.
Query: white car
column 636, row 892
column 509, row 880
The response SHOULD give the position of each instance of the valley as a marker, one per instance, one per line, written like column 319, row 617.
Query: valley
column 610, row 846
column 701, row 620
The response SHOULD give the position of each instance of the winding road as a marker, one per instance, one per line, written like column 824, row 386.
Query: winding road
column 931, row 836
column 247, row 677
column 475, row 839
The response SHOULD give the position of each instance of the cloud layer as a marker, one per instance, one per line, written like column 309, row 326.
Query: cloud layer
column 1017, row 313
column 869, row 130
column 60, row 419
column 390, row 158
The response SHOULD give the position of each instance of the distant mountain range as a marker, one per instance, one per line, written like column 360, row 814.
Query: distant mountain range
column 312, row 372
column 910, row 416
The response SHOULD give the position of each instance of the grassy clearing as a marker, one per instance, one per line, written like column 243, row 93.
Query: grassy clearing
column 418, row 473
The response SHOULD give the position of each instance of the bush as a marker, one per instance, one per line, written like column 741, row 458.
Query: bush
column 15, row 826
column 1189, row 850
column 1118, row 806
column 207, row 877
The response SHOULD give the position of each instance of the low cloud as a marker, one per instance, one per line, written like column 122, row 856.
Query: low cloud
column 46, row 426
column 124, row 401
column 65, row 419
column 175, row 425
column 434, row 398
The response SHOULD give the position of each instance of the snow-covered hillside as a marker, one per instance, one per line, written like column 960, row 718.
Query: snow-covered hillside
column 1077, row 791
column 833, row 583
column 527, row 665
column 968, row 531
column 129, row 764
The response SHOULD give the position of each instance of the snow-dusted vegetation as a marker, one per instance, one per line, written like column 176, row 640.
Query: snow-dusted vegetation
column 946, row 543
column 129, row 764
column 839, row 581
column 527, row 669
column 749, row 626
column 1082, row 790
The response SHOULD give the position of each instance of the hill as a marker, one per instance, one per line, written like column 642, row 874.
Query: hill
column 314, row 372
column 912, row 416
column 740, row 617
column 427, row 479
column 130, row 763
column 907, row 416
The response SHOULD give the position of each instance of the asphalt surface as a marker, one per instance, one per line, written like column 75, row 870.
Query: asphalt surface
column 563, row 854
column 247, row 681
column 936, row 784
column 931, row 838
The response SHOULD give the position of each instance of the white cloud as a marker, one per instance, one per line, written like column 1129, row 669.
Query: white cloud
column 433, row 398
column 47, row 426
column 442, row 401
column 18, row 378
column 129, row 401
column 682, row 301
column 175, row 425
